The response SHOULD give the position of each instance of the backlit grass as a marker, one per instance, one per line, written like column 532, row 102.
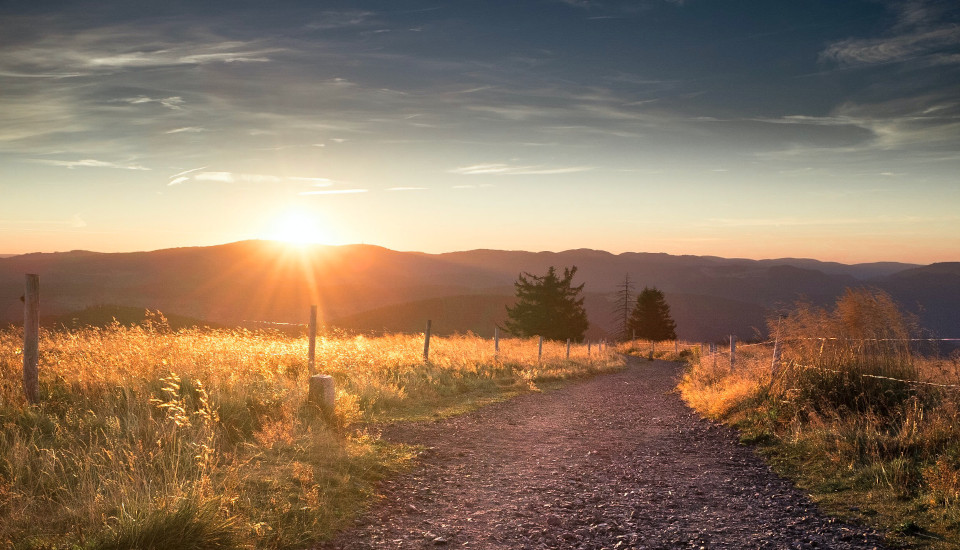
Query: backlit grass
column 150, row 438
column 835, row 415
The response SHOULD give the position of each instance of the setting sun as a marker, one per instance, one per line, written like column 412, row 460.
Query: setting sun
column 298, row 228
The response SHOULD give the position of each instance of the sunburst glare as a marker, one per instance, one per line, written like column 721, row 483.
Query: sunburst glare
column 298, row 227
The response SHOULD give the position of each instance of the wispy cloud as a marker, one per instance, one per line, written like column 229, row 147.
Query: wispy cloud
column 334, row 192
column 186, row 130
column 89, row 163
column 513, row 170
column 195, row 174
column 804, row 222
column 896, row 48
column 406, row 189
column 178, row 56
column 174, row 102
column 923, row 31
column 118, row 48
column 343, row 19
column 190, row 171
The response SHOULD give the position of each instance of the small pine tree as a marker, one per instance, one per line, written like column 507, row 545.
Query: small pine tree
column 651, row 317
column 548, row 306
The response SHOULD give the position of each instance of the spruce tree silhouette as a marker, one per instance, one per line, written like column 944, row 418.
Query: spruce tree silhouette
column 548, row 306
column 651, row 317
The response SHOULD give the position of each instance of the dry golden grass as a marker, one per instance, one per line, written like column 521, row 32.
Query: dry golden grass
column 837, row 415
column 150, row 438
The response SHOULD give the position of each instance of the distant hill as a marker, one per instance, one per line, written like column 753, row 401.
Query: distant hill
column 477, row 313
column 933, row 293
column 105, row 315
column 372, row 288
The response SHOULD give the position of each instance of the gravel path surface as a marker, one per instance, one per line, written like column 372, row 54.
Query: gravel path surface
column 614, row 462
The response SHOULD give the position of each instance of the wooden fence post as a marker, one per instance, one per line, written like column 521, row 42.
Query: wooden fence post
column 426, row 343
column 676, row 347
column 31, row 338
column 322, row 393
column 589, row 345
column 540, row 350
column 496, row 340
column 568, row 348
column 733, row 350
column 312, row 349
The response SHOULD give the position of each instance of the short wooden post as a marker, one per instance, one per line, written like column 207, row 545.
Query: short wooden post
column 653, row 348
column 496, row 340
column 568, row 348
column 426, row 343
column 589, row 345
column 733, row 350
column 31, row 338
column 676, row 347
column 540, row 350
column 312, row 349
column 322, row 393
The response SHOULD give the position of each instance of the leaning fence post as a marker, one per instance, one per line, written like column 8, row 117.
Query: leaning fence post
column 312, row 350
column 496, row 340
column 426, row 343
column 540, row 349
column 31, row 337
column 733, row 350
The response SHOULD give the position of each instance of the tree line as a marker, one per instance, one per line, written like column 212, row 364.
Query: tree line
column 552, row 307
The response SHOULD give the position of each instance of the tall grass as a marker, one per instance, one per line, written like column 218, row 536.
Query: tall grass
column 149, row 438
column 861, row 419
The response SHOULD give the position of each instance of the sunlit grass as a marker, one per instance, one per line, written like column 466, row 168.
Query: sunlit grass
column 836, row 415
column 142, row 432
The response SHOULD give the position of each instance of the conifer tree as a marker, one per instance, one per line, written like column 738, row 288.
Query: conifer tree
column 651, row 317
column 548, row 306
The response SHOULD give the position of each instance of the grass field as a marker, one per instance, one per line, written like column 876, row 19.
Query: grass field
column 151, row 438
column 865, row 424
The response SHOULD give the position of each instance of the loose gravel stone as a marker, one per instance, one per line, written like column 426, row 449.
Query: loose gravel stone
column 617, row 461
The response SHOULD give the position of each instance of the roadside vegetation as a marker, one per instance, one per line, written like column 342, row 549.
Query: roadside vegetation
column 151, row 438
column 854, row 412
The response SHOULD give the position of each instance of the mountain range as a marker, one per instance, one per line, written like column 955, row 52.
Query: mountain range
column 369, row 288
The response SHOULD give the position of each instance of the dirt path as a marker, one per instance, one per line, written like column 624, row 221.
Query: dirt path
column 615, row 462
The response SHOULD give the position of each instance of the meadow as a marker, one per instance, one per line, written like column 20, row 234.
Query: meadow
column 861, row 410
column 148, row 437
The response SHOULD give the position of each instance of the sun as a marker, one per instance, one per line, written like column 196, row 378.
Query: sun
column 296, row 227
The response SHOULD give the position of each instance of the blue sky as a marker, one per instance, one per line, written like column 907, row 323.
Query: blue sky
column 755, row 129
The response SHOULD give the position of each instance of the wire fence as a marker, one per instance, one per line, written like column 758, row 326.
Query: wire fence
column 775, row 363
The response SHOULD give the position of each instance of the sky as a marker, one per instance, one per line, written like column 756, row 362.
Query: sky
column 757, row 129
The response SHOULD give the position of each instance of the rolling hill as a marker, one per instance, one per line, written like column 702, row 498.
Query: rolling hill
column 370, row 288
